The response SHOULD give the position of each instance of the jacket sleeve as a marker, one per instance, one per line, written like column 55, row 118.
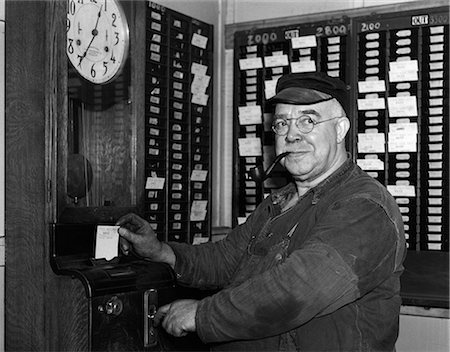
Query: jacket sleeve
column 212, row 265
column 350, row 251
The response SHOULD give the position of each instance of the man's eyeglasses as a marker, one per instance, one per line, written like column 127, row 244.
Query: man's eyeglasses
column 304, row 123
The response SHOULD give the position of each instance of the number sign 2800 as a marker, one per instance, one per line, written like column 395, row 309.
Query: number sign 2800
column 328, row 31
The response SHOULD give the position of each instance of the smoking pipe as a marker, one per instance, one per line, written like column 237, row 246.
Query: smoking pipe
column 259, row 175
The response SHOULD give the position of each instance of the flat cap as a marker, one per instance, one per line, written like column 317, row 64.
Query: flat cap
column 310, row 88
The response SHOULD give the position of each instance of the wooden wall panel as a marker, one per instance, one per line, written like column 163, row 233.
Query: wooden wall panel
column 43, row 311
column 24, row 173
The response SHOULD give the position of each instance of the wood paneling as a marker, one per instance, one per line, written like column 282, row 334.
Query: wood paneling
column 43, row 311
column 24, row 176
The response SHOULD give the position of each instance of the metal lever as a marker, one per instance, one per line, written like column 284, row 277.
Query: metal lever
column 150, row 308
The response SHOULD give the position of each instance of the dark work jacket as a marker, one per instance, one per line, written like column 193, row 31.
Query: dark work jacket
column 320, row 276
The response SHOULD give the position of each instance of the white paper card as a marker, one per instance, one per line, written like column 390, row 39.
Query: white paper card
column 199, row 175
column 200, row 99
column 409, row 127
column 251, row 63
column 307, row 41
column 276, row 60
column 402, row 142
column 303, row 66
column 370, row 164
column 200, row 84
column 107, row 242
column 198, row 69
column 371, row 104
column 270, row 88
column 402, row 106
column 155, row 183
column 199, row 40
column 198, row 210
column 250, row 115
column 371, row 142
column 371, row 86
column 402, row 190
column 249, row 146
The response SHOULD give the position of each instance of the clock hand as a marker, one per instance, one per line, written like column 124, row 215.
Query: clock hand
column 94, row 34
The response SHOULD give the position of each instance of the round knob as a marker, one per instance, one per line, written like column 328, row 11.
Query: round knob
column 114, row 306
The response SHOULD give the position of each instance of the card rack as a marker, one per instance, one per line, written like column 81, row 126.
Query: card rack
column 402, row 116
column 397, row 65
column 178, row 95
column 261, row 57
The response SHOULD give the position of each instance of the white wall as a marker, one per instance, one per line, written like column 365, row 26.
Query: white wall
column 423, row 334
column 252, row 10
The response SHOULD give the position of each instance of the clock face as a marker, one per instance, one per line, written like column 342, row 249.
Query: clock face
column 97, row 39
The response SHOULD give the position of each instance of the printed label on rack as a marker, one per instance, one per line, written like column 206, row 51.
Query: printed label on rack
column 402, row 106
column 199, row 40
column 251, row 63
column 155, row 183
column 307, row 41
column 250, row 115
column 107, row 242
column 371, row 86
column 249, row 146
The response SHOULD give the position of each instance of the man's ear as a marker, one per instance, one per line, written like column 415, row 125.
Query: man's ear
column 342, row 127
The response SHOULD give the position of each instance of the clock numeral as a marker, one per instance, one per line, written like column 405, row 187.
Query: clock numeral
column 114, row 17
column 113, row 58
column 70, row 47
column 106, row 10
column 80, row 57
column 105, row 65
column 94, row 1
column 79, row 28
column 117, row 38
column 71, row 7
column 93, row 73
column 81, row 2
column 68, row 24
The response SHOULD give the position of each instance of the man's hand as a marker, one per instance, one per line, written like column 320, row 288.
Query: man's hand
column 178, row 318
column 136, row 234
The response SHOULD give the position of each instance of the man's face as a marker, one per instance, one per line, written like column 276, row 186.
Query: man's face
column 313, row 154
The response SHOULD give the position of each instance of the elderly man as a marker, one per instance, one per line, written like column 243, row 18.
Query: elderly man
column 316, row 267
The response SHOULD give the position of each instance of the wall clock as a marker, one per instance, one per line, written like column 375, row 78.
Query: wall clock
column 97, row 39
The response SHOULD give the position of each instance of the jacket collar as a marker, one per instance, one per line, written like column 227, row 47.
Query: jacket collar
column 286, row 193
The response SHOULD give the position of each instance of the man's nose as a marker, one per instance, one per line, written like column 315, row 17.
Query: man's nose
column 294, row 133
